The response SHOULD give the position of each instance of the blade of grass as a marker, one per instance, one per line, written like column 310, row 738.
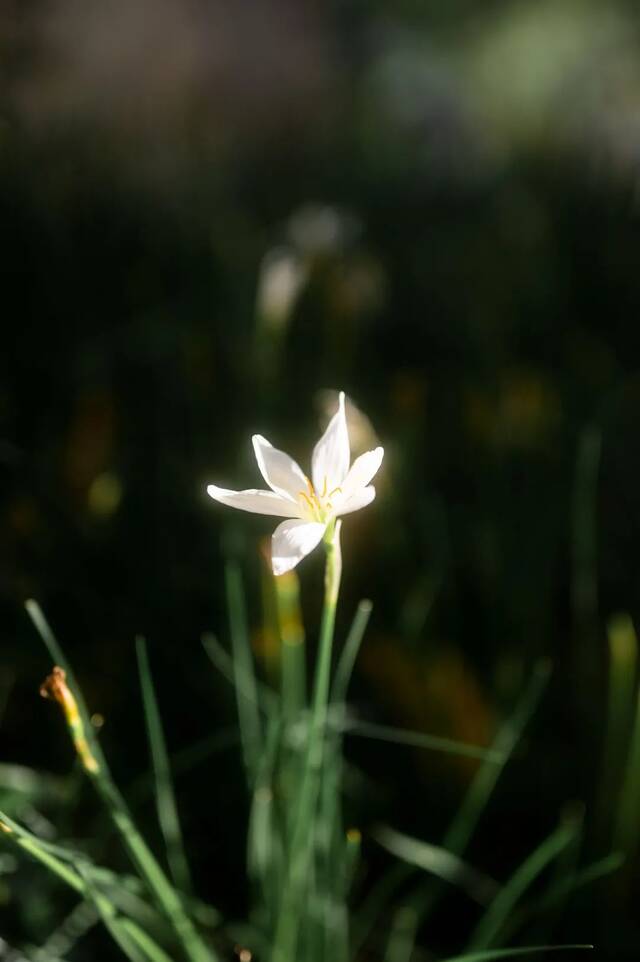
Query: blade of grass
column 166, row 806
column 262, row 697
column 349, row 653
column 489, row 954
column 76, row 876
column 467, row 816
column 336, row 853
column 564, row 887
column 97, row 770
column 627, row 828
column 295, row 889
column 331, row 932
column 623, row 658
column 151, row 949
column 401, row 942
column 134, row 941
column 488, row 929
column 116, row 930
column 509, row 734
column 128, row 893
column 82, row 918
column 37, row 786
column 24, row 840
column 264, row 842
column 401, row 736
column 185, row 760
column 244, row 672
column 439, row 862
column 564, row 867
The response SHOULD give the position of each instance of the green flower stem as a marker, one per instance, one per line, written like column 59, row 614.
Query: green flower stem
column 302, row 840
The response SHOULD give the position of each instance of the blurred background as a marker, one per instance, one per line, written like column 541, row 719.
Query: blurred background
column 213, row 217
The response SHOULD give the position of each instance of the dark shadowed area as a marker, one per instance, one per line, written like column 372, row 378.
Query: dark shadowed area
column 214, row 217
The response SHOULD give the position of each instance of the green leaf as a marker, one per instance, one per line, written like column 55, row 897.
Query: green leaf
column 488, row 954
column 349, row 653
column 401, row 736
column 437, row 861
column 164, row 795
column 244, row 673
column 508, row 897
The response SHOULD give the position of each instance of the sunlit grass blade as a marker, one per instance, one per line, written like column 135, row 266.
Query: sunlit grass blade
column 627, row 828
column 488, row 954
column 349, row 653
column 623, row 659
column 97, row 770
column 166, row 807
column 489, row 928
column 244, row 670
column 439, row 862
column 399, row 736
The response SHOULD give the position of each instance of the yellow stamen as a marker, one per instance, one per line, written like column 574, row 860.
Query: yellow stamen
column 306, row 497
column 324, row 488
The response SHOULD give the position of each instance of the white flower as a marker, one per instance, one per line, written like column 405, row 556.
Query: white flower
column 309, row 506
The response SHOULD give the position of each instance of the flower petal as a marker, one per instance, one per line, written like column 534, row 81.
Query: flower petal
column 361, row 472
column 259, row 502
column 291, row 541
column 281, row 472
column 360, row 499
column 330, row 461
